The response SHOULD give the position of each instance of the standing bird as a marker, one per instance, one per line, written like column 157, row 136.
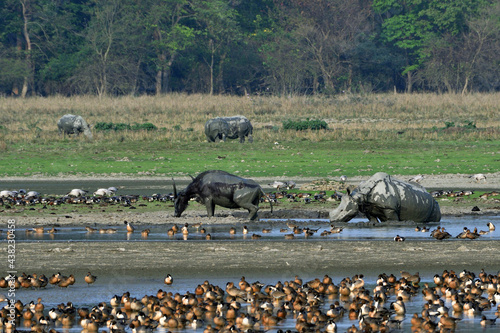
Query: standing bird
column 130, row 227
column 417, row 178
column 169, row 279
column 343, row 178
column 478, row 177
column 491, row 226
column 185, row 229
column 89, row 278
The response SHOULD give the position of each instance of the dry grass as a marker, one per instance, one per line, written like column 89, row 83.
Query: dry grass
column 182, row 117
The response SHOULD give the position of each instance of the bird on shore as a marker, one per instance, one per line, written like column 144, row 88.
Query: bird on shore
column 76, row 192
column 89, row 278
column 417, row 178
column 478, row 177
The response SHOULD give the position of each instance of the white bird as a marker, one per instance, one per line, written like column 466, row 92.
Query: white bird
column 417, row 178
column 76, row 192
column 343, row 178
column 6, row 194
column 478, row 177
column 102, row 192
column 112, row 189
column 32, row 194
column 491, row 226
column 277, row 184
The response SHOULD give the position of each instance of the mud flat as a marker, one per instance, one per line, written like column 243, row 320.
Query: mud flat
column 220, row 258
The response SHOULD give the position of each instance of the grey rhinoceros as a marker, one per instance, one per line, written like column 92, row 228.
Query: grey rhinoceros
column 216, row 187
column 234, row 127
column 71, row 124
column 384, row 198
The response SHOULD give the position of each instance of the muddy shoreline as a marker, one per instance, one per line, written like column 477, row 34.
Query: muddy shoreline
column 224, row 257
column 219, row 258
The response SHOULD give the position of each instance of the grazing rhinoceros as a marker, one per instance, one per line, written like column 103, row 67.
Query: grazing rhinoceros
column 229, row 127
column 216, row 187
column 384, row 198
column 216, row 129
column 71, row 124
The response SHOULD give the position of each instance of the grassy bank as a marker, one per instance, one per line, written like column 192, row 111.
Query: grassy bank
column 400, row 134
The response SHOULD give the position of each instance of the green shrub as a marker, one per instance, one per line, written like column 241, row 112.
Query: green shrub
column 104, row 126
column 302, row 125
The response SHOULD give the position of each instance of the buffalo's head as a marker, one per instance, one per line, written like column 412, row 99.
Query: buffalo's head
column 181, row 201
column 347, row 209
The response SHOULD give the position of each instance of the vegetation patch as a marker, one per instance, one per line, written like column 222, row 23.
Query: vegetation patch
column 104, row 126
column 303, row 125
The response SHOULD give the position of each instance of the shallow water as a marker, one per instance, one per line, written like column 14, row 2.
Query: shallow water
column 276, row 229
column 87, row 296
column 140, row 283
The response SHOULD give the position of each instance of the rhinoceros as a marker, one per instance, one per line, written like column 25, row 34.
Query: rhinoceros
column 71, row 124
column 384, row 198
column 217, row 187
column 229, row 127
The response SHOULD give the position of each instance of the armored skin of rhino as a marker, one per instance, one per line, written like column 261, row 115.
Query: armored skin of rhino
column 384, row 198
column 234, row 127
column 71, row 124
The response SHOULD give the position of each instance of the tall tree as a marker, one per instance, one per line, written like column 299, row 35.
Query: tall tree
column 218, row 30
column 329, row 31
column 166, row 21
column 410, row 25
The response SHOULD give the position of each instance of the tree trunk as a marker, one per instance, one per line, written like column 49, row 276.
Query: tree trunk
column 409, row 82
column 158, row 81
column 28, row 78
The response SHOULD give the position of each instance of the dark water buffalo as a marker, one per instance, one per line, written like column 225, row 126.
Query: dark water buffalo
column 229, row 127
column 71, row 124
column 383, row 198
column 216, row 187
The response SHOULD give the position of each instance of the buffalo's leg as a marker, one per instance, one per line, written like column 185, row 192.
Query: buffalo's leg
column 252, row 210
column 209, row 203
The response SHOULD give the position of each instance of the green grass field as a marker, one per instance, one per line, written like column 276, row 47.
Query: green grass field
column 289, row 158
column 398, row 134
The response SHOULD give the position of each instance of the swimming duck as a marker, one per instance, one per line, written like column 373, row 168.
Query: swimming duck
column 168, row 279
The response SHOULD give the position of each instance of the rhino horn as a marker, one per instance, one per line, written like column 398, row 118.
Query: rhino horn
column 192, row 178
column 175, row 189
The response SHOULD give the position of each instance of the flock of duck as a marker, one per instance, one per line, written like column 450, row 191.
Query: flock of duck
column 291, row 232
column 316, row 306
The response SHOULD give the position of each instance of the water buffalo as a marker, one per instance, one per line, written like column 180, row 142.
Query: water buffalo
column 383, row 198
column 229, row 127
column 216, row 187
column 71, row 124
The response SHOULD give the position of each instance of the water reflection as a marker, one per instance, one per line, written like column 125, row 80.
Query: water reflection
column 307, row 230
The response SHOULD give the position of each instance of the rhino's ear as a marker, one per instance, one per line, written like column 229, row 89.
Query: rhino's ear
column 348, row 191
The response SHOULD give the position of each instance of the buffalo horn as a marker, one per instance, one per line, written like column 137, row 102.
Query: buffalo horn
column 175, row 189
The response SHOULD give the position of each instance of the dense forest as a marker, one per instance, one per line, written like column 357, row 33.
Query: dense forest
column 275, row 47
